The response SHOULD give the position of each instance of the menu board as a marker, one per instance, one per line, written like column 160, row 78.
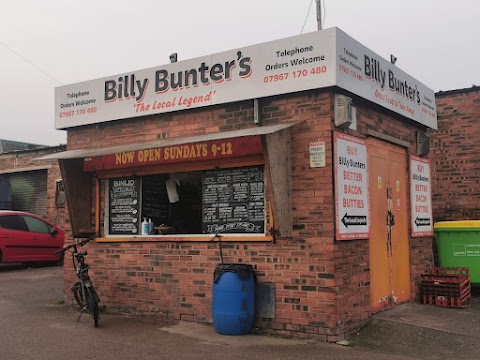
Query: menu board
column 155, row 198
column 124, row 206
column 233, row 200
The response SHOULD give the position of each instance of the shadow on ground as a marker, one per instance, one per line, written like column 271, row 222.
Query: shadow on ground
column 23, row 266
column 424, row 331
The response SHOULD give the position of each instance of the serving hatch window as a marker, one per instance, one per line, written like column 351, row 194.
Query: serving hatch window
column 188, row 203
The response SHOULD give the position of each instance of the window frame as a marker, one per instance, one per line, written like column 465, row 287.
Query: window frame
column 20, row 221
column 101, row 207
column 27, row 218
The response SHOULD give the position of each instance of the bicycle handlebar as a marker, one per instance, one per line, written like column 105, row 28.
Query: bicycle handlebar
column 75, row 244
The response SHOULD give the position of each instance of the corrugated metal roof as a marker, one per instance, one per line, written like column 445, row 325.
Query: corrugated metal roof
column 9, row 146
column 87, row 153
column 24, row 169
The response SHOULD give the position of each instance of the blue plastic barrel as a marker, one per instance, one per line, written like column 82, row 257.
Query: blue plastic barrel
column 233, row 298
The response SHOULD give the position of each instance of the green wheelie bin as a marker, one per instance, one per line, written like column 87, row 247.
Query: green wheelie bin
column 458, row 245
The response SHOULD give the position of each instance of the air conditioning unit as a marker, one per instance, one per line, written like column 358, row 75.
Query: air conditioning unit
column 344, row 112
column 423, row 143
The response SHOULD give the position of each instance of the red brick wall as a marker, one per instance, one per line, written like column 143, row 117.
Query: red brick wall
column 352, row 257
column 455, row 150
column 322, row 286
column 25, row 159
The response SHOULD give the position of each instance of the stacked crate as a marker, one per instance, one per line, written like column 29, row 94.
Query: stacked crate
column 447, row 286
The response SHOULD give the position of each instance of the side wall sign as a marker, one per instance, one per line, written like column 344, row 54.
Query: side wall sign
column 366, row 74
column 421, row 197
column 352, row 210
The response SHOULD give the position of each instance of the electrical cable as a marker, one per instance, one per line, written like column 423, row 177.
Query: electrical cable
column 306, row 18
column 324, row 12
column 29, row 62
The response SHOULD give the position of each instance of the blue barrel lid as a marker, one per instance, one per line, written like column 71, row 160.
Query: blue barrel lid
column 243, row 270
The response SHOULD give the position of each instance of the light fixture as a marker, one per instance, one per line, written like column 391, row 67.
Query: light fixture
column 393, row 59
column 173, row 57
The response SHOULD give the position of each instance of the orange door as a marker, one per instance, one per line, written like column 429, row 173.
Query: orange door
column 389, row 243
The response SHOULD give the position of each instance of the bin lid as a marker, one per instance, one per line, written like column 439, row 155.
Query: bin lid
column 458, row 224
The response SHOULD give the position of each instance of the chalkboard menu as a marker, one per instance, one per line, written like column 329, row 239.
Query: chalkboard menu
column 233, row 200
column 155, row 198
column 124, row 214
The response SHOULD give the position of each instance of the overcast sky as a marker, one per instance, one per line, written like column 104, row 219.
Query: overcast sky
column 44, row 44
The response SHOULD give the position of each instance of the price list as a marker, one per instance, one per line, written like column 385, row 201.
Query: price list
column 124, row 206
column 233, row 200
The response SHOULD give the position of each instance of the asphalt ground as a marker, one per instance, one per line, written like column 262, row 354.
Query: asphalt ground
column 35, row 324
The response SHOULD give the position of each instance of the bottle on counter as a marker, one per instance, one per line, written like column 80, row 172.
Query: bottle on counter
column 145, row 227
column 150, row 226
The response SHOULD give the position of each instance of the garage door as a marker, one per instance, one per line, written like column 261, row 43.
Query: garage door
column 29, row 191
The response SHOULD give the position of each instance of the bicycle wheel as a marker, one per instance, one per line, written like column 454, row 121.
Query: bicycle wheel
column 92, row 303
column 77, row 294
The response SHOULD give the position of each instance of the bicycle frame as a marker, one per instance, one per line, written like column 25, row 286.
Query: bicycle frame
column 83, row 290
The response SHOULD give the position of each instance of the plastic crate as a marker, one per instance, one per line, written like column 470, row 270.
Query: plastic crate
column 448, row 287
column 448, row 301
column 447, row 275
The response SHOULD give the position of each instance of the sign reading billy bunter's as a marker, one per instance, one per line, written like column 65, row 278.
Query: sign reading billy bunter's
column 421, row 197
column 315, row 60
column 352, row 212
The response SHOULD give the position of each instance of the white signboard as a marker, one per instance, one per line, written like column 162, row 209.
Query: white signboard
column 421, row 197
column 278, row 67
column 315, row 60
column 366, row 74
column 317, row 154
column 352, row 211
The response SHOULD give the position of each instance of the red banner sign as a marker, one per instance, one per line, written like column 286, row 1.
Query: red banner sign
column 206, row 150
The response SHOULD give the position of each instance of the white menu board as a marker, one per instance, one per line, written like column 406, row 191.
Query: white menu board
column 421, row 197
column 352, row 211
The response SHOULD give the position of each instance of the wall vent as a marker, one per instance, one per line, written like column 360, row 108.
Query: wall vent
column 344, row 112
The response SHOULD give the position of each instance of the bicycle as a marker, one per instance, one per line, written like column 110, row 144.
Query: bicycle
column 83, row 290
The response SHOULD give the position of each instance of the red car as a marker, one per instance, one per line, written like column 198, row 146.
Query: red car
column 26, row 237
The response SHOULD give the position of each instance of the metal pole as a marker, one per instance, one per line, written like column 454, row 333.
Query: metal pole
column 319, row 14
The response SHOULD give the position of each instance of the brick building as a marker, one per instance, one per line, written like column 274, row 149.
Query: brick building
column 263, row 145
column 455, row 150
column 36, row 186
